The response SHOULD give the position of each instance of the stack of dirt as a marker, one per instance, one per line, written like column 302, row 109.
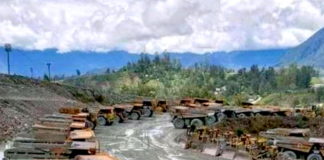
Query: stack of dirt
column 24, row 100
column 256, row 124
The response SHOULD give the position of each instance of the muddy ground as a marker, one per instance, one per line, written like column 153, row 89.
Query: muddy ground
column 149, row 139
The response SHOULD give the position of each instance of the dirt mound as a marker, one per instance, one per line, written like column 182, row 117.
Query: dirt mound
column 13, row 85
column 256, row 124
column 23, row 100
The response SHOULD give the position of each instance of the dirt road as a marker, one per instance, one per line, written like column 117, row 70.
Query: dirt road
column 149, row 139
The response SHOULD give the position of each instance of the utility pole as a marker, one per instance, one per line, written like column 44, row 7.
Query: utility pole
column 49, row 70
column 31, row 72
column 8, row 50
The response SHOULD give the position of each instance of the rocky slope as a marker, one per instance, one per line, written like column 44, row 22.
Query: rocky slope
column 23, row 100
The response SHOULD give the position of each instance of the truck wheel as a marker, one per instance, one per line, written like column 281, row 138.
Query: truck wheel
column 258, row 114
column 89, row 124
column 314, row 156
column 196, row 122
column 117, row 119
column 241, row 115
column 135, row 116
column 234, row 115
column 102, row 121
column 210, row 120
column 291, row 154
column 275, row 115
column 221, row 117
column 148, row 113
column 179, row 123
column 94, row 124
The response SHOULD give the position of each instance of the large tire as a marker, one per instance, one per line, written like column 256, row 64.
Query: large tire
column 102, row 121
column 221, row 117
column 135, row 116
column 94, row 124
column 89, row 124
column 241, row 115
column 314, row 156
column 234, row 115
column 210, row 120
column 290, row 154
column 197, row 122
column 147, row 112
column 110, row 122
column 179, row 123
column 258, row 115
column 275, row 115
column 117, row 119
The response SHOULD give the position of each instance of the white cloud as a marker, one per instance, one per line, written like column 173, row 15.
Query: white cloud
column 176, row 25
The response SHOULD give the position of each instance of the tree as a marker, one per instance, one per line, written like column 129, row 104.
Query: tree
column 78, row 72
column 108, row 70
column 320, row 94
column 304, row 76
column 156, row 59
column 46, row 78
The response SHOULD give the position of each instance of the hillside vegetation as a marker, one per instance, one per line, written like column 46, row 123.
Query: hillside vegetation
column 162, row 77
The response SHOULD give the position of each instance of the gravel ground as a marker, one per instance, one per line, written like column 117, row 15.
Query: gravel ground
column 149, row 139
column 23, row 101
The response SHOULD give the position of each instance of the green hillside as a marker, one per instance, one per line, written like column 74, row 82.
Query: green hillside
column 166, row 78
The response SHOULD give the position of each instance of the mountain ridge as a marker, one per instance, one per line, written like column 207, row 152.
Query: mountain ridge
column 310, row 52
column 67, row 63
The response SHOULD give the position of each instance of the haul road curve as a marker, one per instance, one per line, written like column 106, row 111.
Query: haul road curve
column 145, row 139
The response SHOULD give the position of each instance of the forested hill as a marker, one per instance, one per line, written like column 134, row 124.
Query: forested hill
column 166, row 78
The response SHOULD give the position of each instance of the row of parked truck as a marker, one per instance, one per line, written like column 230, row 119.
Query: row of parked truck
column 189, row 112
column 69, row 134
column 199, row 112
column 59, row 136
column 279, row 143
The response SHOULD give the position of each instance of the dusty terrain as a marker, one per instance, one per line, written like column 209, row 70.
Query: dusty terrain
column 149, row 139
column 23, row 100
column 22, row 103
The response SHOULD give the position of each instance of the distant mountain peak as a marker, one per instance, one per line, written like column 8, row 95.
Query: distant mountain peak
column 310, row 52
column 97, row 63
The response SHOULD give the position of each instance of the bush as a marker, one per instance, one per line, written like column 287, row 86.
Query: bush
column 239, row 132
column 99, row 98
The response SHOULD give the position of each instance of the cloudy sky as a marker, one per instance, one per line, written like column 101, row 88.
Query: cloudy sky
column 176, row 25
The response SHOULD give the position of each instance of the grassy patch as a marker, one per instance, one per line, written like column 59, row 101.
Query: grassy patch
column 316, row 80
column 289, row 99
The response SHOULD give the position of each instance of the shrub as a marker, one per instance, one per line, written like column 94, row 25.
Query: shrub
column 239, row 132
